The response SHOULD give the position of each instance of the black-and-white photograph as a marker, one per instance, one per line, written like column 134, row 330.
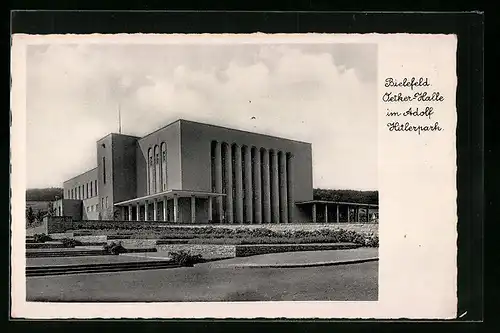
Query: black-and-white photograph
column 201, row 172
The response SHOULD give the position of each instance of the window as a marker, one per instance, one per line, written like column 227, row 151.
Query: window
column 163, row 166
column 150, row 171
column 157, row 185
column 91, row 191
column 95, row 187
column 104, row 170
column 106, row 202
column 87, row 190
column 102, row 203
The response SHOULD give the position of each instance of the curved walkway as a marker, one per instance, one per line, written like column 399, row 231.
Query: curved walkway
column 299, row 259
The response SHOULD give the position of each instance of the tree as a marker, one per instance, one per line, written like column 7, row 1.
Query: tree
column 30, row 216
column 39, row 216
column 51, row 211
column 116, row 214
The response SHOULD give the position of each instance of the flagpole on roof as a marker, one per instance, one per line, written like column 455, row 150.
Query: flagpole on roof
column 119, row 118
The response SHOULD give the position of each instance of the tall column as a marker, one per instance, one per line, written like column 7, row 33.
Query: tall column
column 218, row 181
column 289, row 186
column 326, row 213
column 248, row 211
column 283, row 191
column 228, row 170
column 257, row 195
column 193, row 209
column 238, row 175
column 367, row 214
column 130, row 212
column 338, row 214
column 357, row 215
column 146, row 206
column 164, row 209
column 210, row 217
column 314, row 213
column 348, row 214
column 155, row 210
column 138, row 212
column 275, row 203
column 176, row 208
column 266, row 187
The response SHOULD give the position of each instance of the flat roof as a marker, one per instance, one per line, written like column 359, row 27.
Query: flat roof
column 170, row 194
column 221, row 127
column 81, row 174
column 335, row 202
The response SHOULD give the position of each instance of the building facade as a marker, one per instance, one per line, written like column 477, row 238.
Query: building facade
column 189, row 172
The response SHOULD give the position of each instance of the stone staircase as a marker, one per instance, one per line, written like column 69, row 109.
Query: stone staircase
column 97, row 268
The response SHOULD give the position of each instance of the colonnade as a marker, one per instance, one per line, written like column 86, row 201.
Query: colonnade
column 348, row 213
column 257, row 183
column 169, row 210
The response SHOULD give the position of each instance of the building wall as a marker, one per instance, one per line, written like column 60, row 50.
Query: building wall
column 105, row 177
column 171, row 136
column 124, row 167
column 68, row 207
column 196, row 140
column 90, row 209
column 79, row 187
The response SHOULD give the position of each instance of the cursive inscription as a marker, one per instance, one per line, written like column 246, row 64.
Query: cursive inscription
column 411, row 111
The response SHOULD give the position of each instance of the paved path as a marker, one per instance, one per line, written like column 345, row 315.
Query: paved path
column 200, row 284
column 299, row 259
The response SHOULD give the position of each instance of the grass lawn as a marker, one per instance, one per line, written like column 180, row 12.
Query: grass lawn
column 355, row 282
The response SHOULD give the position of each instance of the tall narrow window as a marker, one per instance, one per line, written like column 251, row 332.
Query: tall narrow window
column 87, row 190
column 104, row 170
column 95, row 186
column 91, row 191
column 157, row 170
column 163, row 166
column 150, row 173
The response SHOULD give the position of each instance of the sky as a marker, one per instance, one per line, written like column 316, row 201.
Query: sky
column 324, row 94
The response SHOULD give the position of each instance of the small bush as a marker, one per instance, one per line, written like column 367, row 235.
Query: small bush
column 114, row 248
column 69, row 242
column 41, row 238
column 184, row 258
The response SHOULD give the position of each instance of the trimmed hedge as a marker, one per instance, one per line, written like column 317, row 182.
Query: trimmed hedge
column 114, row 248
column 220, row 235
column 69, row 242
column 184, row 258
column 41, row 238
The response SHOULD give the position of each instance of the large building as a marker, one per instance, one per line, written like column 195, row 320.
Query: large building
column 188, row 172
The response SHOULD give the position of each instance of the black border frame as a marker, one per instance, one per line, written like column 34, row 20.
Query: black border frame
column 468, row 26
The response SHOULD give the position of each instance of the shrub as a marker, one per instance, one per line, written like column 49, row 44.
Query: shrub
column 184, row 258
column 69, row 242
column 41, row 238
column 114, row 248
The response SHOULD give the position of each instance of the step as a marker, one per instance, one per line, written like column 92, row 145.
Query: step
column 97, row 268
column 171, row 241
column 46, row 245
column 75, row 252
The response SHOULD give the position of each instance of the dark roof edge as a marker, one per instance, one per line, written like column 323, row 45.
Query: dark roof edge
column 81, row 174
